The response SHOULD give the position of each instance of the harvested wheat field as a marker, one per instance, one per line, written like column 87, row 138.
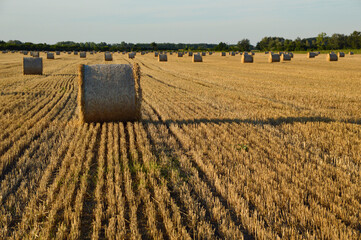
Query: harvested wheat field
column 224, row 150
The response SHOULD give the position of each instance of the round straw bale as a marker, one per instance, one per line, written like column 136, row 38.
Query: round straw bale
column 332, row 57
column 162, row 58
column 197, row 58
column 232, row 54
column 341, row 54
column 291, row 54
column 210, row 53
column 109, row 92
column 285, row 57
column 156, row 54
column 266, row 52
column 25, row 52
column 32, row 65
column 69, row 52
column 34, row 54
column 246, row 58
column 311, row 55
column 57, row 52
column 50, row 55
column 108, row 56
column 274, row 58
column 82, row 54
column 350, row 53
column 75, row 52
column 131, row 55
column 190, row 54
column 203, row 54
column 180, row 54
column 223, row 54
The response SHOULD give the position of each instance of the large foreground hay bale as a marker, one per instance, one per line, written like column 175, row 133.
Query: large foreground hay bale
column 197, row 58
column 109, row 92
column 162, row 58
column 285, row 57
column 108, row 56
column 82, row 54
column 311, row 55
column 331, row 57
column 274, row 58
column 50, row 55
column 246, row 58
column 32, row 65
column 341, row 54
column 180, row 54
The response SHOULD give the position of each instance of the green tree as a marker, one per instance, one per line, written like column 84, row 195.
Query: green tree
column 154, row 46
column 244, row 45
column 321, row 41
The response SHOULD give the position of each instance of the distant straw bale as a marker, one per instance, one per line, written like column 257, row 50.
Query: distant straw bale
column 245, row 58
column 341, row 54
column 274, row 58
column 162, row 58
column 331, row 57
column 197, row 58
column 108, row 56
column 50, row 55
column 311, row 55
column 285, row 57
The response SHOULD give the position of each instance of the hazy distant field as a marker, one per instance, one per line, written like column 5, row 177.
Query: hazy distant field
column 225, row 150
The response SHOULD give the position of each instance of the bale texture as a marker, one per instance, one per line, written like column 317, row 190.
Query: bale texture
column 109, row 92
column 274, row 58
column 332, row 57
column 32, row 65
column 50, row 56
column 108, row 56
column 341, row 54
column 162, row 58
column 82, row 54
column 285, row 57
column 246, row 58
column 197, row 58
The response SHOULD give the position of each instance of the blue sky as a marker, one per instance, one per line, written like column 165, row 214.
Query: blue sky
column 187, row 21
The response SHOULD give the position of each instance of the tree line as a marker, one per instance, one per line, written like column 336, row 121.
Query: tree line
column 321, row 42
